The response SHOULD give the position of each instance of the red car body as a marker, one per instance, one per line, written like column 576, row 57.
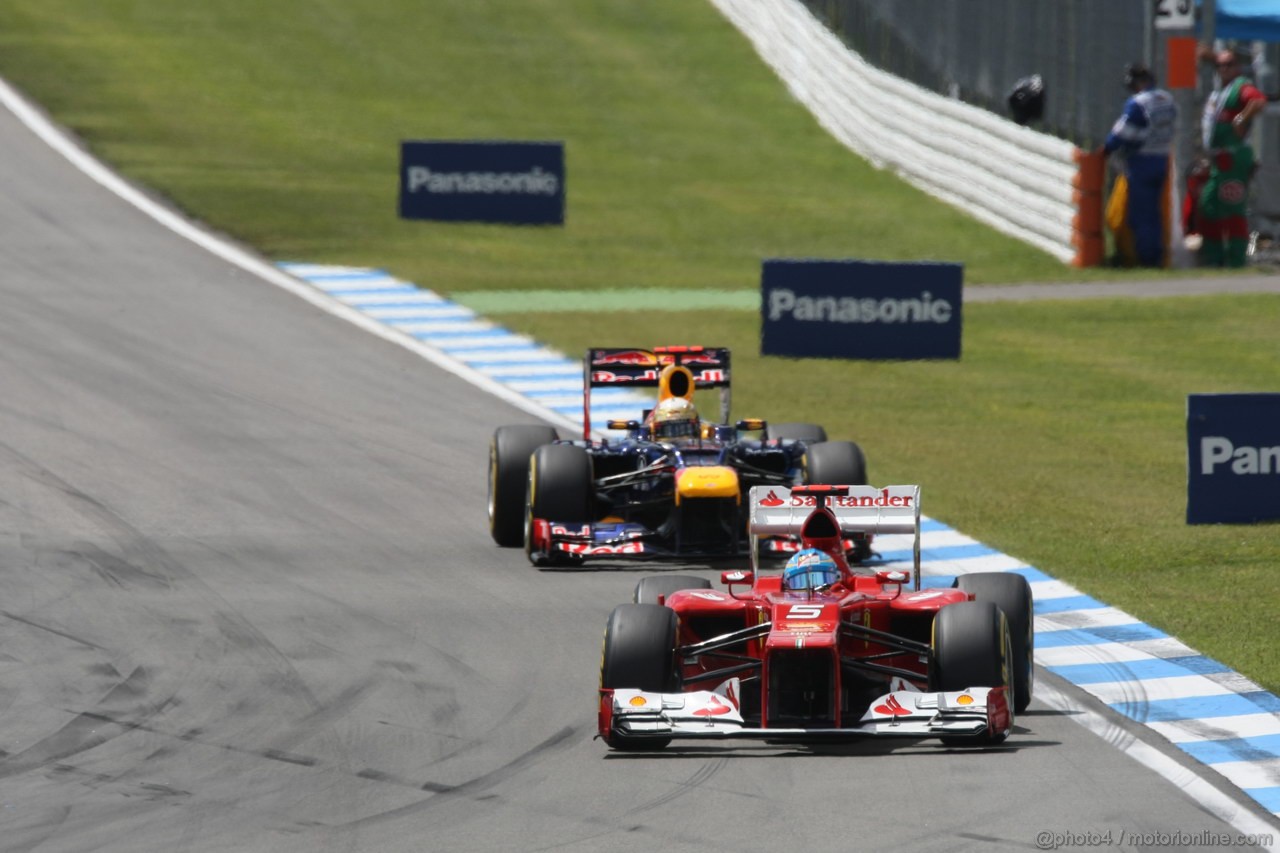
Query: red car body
column 866, row 656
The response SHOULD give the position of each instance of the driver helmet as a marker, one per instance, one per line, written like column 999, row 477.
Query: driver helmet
column 809, row 569
column 675, row 417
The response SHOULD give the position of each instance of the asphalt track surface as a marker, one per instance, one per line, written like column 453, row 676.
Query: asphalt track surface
column 248, row 603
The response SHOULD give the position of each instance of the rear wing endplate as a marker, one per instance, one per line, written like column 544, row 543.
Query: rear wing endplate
column 863, row 509
column 628, row 367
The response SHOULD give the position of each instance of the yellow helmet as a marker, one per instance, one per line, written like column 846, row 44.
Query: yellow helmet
column 675, row 417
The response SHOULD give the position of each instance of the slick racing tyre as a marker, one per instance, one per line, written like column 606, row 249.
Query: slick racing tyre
column 560, row 488
column 640, row 653
column 509, row 453
column 835, row 463
column 971, row 649
column 811, row 433
column 1012, row 594
column 650, row 589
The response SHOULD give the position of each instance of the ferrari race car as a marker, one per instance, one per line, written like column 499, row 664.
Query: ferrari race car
column 822, row 650
column 672, row 486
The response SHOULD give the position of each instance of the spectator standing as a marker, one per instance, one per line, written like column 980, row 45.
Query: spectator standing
column 1228, row 113
column 1144, row 136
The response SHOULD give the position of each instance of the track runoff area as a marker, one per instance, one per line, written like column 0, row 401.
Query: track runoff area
column 1213, row 714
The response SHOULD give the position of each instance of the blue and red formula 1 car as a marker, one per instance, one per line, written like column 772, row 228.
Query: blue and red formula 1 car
column 673, row 486
column 822, row 650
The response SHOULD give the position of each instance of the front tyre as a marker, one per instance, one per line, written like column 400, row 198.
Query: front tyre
column 509, row 453
column 971, row 649
column 1012, row 594
column 640, row 654
column 560, row 489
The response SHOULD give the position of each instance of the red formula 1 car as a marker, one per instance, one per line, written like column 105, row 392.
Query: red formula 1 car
column 822, row 650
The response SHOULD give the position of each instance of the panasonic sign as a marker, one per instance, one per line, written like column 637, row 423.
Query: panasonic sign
column 1218, row 450
column 533, row 182
column 512, row 182
column 1233, row 458
column 861, row 309
column 829, row 309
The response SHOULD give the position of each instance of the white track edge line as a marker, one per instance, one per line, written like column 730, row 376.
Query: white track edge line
column 1185, row 778
column 59, row 141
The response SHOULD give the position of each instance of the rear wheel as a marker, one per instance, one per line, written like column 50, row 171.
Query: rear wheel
column 1012, row 594
column 509, row 453
column 560, row 488
column 835, row 463
column 639, row 653
column 796, row 432
column 649, row 589
column 971, row 649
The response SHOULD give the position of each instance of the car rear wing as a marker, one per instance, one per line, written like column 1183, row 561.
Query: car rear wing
column 628, row 367
column 781, row 511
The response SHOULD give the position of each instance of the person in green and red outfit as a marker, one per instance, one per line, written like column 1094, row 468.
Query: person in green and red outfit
column 1227, row 117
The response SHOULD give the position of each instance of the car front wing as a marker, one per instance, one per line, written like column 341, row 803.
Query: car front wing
column 552, row 542
column 977, row 712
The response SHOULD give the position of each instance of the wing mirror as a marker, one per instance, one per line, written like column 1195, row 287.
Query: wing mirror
column 737, row 577
column 750, row 424
column 621, row 424
column 891, row 576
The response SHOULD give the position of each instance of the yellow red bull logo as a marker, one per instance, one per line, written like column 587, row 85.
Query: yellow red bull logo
column 711, row 481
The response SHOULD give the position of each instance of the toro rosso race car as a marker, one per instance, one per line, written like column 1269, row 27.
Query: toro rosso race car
column 822, row 650
column 672, row 486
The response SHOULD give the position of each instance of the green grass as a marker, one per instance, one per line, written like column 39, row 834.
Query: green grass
column 281, row 123
column 1059, row 437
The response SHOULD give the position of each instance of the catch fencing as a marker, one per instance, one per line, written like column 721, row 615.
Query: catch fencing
column 975, row 50
column 1028, row 184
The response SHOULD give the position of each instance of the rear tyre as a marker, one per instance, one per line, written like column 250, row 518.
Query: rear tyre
column 649, row 589
column 1012, row 594
column 509, row 453
column 640, row 653
column 835, row 463
column 796, row 432
column 970, row 649
column 560, row 488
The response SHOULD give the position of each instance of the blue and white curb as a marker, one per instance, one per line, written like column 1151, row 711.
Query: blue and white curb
column 1213, row 714
column 1216, row 716
column 546, row 377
